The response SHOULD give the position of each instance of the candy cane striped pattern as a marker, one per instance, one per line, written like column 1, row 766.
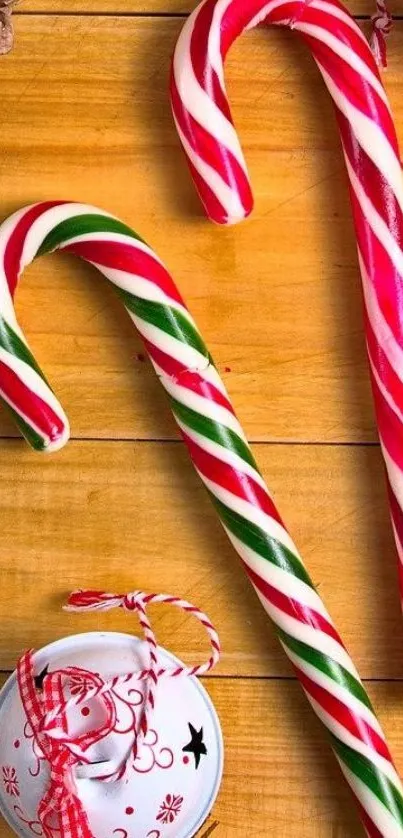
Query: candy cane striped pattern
column 200, row 105
column 205, row 127
column 204, row 123
column 223, row 460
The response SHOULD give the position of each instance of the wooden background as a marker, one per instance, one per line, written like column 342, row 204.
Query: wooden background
column 85, row 116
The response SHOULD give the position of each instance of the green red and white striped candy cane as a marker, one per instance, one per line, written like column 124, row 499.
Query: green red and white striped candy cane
column 222, row 458
column 370, row 146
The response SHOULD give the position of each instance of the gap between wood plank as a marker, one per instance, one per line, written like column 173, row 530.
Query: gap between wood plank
column 149, row 14
column 280, row 678
column 168, row 441
column 30, row 13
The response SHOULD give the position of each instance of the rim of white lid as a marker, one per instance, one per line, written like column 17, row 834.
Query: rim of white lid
column 63, row 643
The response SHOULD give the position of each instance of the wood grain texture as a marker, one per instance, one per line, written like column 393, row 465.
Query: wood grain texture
column 85, row 116
column 85, row 121
column 125, row 516
column 280, row 777
column 356, row 7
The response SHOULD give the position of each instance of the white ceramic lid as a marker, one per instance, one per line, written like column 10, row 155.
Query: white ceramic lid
column 171, row 786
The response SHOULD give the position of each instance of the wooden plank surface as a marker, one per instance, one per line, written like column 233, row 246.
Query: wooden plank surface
column 85, row 115
column 356, row 7
column 100, row 130
column 280, row 777
column 128, row 516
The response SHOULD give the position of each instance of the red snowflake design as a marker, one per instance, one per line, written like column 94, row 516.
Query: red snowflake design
column 79, row 685
column 170, row 808
column 10, row 781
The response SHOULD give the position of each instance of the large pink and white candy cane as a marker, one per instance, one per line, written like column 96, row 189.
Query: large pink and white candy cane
column 205, row 126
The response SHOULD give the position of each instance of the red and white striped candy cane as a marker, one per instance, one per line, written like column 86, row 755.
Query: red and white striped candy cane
column 225, row 463
column 205, row 126
column 204, row 122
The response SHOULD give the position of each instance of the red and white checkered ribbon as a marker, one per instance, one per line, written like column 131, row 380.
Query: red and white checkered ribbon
column 61, row 751
column 381, row 27
column 46, row 709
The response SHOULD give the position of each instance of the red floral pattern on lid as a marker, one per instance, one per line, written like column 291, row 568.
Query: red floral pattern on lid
column 170, row 808
column 10, row 781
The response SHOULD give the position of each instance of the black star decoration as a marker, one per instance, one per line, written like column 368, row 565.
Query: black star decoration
column 196, row 745
column 39, row 679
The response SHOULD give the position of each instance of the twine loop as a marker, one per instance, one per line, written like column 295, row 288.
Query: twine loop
column 382, row 23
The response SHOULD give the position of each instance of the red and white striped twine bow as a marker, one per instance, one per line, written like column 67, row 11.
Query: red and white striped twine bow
column 381, row 27
column 46, row 709
column 138, row 602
